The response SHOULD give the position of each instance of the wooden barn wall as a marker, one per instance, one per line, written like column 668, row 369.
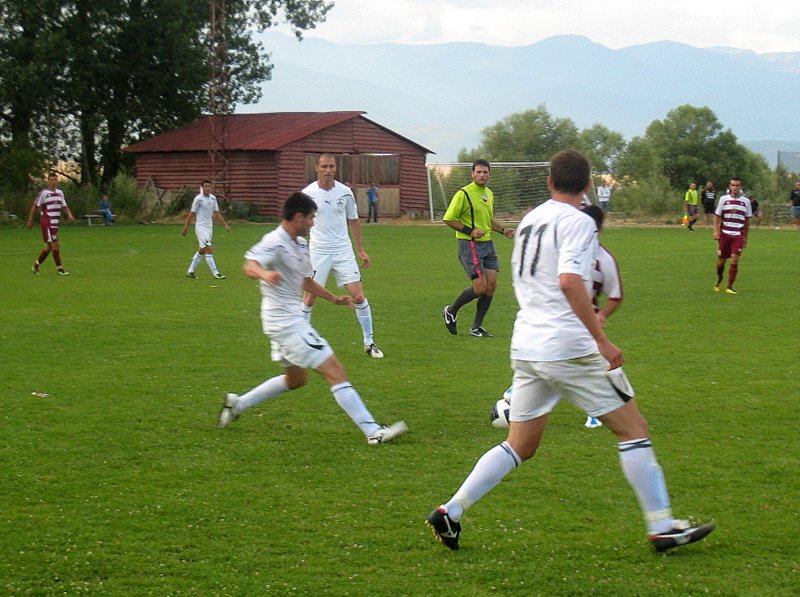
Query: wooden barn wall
column 171, row 171
column 253, row 174
column 266, row 178
column 360, row 136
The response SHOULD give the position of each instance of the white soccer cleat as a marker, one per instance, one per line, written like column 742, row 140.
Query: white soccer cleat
column 386, row 434
column 592, row 423
column 226, row 415
column 373, row 351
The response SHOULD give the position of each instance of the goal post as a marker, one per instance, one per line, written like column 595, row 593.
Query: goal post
column 517, row 187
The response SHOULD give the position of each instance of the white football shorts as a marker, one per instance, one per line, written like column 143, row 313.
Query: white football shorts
column 301, row 346
column 204, row 235
column 584, row 381
column 343, row 265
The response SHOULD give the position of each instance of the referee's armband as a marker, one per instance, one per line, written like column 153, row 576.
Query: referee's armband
column 467, row 230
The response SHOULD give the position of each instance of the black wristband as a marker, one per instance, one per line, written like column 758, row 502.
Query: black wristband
column 467, row 230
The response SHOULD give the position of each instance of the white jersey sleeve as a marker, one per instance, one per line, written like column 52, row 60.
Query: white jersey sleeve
column 606, row 277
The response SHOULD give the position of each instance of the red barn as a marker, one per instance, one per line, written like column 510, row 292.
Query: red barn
column 269, row 156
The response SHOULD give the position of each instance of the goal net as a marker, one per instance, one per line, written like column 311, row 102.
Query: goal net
column 517, row 186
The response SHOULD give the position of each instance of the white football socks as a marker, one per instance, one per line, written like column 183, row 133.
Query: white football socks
column 350, row 402
column 306, row 309
column 269, row 389
column 195, row 262
column 488, row 472
column 638, row 460
column 212, row 264
column 364, row 314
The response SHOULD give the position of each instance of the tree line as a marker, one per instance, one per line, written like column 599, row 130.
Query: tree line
column 688, row 145
column 81, row 79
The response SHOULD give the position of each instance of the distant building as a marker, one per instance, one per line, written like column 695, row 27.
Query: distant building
column 272, row 155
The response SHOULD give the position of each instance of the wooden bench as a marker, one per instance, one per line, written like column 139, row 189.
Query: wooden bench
column 92, row 217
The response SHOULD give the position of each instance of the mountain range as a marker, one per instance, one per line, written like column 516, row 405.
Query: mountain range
column 441, row 96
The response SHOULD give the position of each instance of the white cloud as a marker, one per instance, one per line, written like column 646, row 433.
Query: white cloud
column 766, row 26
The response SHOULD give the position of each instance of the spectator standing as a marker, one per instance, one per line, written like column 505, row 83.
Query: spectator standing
column 372, row 200
column 604, row 196
column 709, row 200
column 794, row 199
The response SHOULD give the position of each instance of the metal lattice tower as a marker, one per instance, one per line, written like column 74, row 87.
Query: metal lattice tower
column 218, row 101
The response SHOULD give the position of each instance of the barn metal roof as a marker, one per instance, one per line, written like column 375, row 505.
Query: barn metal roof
column 254, row 132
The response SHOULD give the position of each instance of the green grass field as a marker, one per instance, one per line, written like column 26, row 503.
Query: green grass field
column 118, row 482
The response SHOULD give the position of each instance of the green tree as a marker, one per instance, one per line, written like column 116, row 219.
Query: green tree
column 603, row 147
column 97, row 74
column 533, row 136
column 693, row 146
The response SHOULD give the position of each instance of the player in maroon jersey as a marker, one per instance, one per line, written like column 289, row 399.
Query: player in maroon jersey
column 50, row 202
column 731, row 225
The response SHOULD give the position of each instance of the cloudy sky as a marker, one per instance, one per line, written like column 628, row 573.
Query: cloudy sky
column 758, row 25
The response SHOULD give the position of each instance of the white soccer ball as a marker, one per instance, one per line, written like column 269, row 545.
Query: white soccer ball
column 499, row 414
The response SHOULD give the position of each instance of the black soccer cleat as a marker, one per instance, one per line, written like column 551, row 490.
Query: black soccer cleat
column 450, row 320
column 680, row 534
column 445, row 530
column 480, row 333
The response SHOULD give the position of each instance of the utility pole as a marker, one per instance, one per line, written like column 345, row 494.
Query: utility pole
column 218, row 101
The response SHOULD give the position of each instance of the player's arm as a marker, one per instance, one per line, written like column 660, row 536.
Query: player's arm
column 581, row 303
column 70, row 217
column 253, row 269
column 218, row 216
column 314, row 288
column 354, row 226
column 497, row 227
column 31, row 214
column 189, row 219
column 608, row 310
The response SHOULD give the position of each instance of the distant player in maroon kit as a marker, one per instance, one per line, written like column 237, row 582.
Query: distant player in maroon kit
column 50, row 202
column 731, row 225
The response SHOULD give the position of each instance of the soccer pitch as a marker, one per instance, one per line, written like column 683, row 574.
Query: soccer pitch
column 118, row 483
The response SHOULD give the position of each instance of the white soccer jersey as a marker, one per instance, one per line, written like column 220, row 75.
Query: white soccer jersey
column 553, row 239
column 605, row 275
column 280, row 304
column 334, row 208
column 204, row 207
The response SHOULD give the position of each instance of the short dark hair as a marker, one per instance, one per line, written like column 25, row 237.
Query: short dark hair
column 736, row 178
column 481, row 162
column 298, row 203
column 324, row 155
column 594, row 212
column 205, row 181
column 570, row 171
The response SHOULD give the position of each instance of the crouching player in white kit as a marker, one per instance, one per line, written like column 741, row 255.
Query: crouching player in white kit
column 559, row 350
column 281, row 264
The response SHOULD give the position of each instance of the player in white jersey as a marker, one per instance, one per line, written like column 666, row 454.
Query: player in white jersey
column 281, row 264
column 331, row 248
column 559, row 350
column 50, row 201
column 606, row 281
column 204, row 210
